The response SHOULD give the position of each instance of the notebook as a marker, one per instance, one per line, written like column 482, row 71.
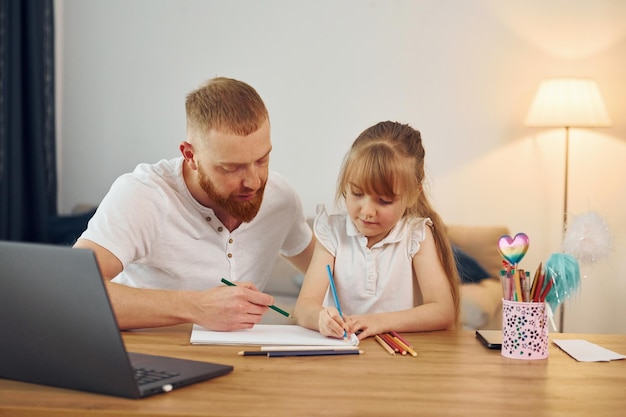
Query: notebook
column 268, row 334
column 59, row 329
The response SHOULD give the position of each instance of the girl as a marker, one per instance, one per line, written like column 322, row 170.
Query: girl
column 391, row 259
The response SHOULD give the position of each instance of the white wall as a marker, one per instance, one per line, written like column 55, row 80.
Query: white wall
column 463, row 72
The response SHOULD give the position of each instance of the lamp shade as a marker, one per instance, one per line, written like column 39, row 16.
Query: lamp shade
column 568, row 102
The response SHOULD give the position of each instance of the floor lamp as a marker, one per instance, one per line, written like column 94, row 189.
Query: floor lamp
column 565, row 103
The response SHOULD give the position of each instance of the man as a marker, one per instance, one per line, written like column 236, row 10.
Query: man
column 166, row 234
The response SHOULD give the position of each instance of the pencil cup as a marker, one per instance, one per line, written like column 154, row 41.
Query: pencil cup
column 524, row 330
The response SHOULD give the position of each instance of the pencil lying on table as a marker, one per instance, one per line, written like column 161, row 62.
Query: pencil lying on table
column 404, row 347
column 402, row 339
column 404, row 343
column 285, row 353
column 384, row 345
column 307, row 347
column 392, row 343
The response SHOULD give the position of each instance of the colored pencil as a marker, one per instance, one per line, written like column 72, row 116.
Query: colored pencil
column 389, row 343
column 304, row 347
column 405, row 347
column 539, row 287
column 384, row 345
column 273, row 307
column 545, row 291
column 333, row 290
column 285, row 353
column 252, row 353
column 409, row 348
column 403, row 340
column 533, row 287
column 394, row 345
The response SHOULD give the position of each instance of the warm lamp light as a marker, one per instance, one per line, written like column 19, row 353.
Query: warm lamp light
column 567, row 102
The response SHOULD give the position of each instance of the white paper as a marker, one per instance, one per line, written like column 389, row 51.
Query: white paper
column 268, row 334
column 584, row 351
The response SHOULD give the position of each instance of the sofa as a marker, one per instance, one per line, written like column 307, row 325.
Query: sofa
column 479, row 263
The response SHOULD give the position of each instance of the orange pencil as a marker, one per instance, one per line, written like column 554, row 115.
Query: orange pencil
column 405, row 347
column 384, row 345
column 403, row 340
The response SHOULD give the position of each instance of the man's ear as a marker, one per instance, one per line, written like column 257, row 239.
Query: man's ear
column 186, row 149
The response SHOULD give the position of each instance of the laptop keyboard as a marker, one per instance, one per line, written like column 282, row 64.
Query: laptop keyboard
column 146, row 376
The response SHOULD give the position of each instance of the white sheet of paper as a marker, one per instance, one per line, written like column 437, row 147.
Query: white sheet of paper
column 268, row 334
column 584, row 351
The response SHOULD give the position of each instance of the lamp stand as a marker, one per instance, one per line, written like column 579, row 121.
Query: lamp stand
column 562, row 306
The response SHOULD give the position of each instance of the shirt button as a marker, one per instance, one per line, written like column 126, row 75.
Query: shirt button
column 230, row 255
column 219, row 229
column 208, row 218
column 230, row 240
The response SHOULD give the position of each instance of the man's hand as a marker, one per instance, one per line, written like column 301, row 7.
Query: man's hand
column 226, row 308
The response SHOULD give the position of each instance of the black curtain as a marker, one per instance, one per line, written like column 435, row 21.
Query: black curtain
column 28, row 179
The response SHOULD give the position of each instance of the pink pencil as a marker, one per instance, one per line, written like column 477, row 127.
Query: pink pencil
column 395, row 334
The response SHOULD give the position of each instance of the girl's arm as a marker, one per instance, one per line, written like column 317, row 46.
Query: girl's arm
column 308, row 311
column 436, row 312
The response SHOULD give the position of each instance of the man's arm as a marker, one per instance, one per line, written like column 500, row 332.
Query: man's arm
column 301, row 261
column 108, row 263
column 221, row 308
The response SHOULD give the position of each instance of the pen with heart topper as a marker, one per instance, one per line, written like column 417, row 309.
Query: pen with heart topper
column 515, row 281
column 586, row 240
column 551, row 284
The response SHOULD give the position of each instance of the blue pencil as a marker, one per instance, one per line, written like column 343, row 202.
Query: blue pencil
column 333, row 290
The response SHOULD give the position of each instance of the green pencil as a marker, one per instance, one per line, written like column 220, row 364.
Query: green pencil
column 276, row 309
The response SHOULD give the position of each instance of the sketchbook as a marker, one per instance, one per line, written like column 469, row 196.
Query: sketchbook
column 267, row 334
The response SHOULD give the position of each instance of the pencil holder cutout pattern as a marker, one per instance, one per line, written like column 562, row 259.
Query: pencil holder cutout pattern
column 524, row 330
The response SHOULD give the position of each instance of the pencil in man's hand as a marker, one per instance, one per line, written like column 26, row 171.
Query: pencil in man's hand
column 273, row 307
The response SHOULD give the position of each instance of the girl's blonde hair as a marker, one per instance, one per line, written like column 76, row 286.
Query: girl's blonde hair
column 387, row 159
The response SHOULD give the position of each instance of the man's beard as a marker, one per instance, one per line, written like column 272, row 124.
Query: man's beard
column 244, row 211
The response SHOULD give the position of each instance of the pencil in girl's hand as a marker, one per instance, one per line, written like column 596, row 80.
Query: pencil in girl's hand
column 333, row 290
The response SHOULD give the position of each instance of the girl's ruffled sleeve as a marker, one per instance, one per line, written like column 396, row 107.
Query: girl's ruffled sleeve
column 323, row 231
column 417, row 233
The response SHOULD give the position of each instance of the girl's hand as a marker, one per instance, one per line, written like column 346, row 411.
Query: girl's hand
column 330, row 323
column 366, row 325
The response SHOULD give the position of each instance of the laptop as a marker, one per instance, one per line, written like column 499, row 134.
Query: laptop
column 59, row 328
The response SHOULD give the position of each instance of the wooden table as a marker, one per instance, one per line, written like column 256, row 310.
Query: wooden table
column 453, row 375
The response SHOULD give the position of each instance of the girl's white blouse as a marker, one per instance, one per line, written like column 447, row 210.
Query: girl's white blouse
column 377, row 279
